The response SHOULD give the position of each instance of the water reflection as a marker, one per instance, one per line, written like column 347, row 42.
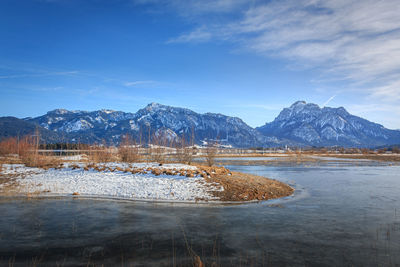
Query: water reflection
column 339, row 216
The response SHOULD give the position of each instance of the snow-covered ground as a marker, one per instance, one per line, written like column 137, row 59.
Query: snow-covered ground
column 119, row 184
column 75, row 157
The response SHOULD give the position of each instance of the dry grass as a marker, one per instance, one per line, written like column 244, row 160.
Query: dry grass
column 9, row 146
column 246, row 187
column 41, row 161
column 128, row 151
column 27, row 153
column 99, row 154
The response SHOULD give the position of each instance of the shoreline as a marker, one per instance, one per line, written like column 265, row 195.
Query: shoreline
column 193, row 184
column 147, row 201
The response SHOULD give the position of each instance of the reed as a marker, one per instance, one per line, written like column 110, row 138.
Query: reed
column 128, row 151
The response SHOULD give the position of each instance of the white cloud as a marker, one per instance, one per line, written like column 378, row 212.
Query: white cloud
column 388, row 114
column 60, row 73
column 188, row 8
column 136, row 83
column 358, row 37
column 352, row 41
column 196, row 36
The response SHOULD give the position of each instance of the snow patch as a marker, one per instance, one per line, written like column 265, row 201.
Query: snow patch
column 116, row 184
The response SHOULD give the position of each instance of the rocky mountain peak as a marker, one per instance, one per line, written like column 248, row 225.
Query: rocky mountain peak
column 309, row 124
column 300, row 124
column 298, row 104
column 59, row 111
column 107, row 111
column 155, row 107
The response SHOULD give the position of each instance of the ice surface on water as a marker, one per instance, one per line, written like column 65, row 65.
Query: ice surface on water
column 350, row 216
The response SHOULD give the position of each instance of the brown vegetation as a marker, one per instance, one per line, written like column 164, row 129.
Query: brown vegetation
column 185, row 151
column 210, row 154
column 26, row 148
column 128, row 150
column 246, row 187
column 101, row 153
column 159, row 147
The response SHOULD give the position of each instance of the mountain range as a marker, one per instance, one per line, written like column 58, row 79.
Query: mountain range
column 301, row 124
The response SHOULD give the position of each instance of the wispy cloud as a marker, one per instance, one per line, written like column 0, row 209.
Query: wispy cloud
column 189, row 8
column 43, row 74
column 197, row 36
column 137, row 83
column 356, row 42
column 386, row 114
column 358, row 39
column 48, row 89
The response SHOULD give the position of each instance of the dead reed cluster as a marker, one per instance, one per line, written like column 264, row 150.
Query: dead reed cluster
column 128, row 151
column 185, row 151
column 26, row 148
column 101, row 153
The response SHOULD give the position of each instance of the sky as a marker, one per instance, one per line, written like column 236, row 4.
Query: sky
column 244, row 58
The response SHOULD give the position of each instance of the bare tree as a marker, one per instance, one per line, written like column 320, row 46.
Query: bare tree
column 158, row 148
column 210, row 153
column 185, row 151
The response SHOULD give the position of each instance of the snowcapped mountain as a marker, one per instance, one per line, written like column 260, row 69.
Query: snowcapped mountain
column 208, row 126
column 309, row 124
column 302, row 124
column 155, row 119
column 61, row 120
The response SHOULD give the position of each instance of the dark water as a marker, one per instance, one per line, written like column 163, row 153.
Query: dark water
column 341, row 215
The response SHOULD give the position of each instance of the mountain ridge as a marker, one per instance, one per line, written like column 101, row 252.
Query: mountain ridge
column 311, row 125
column 301, row 124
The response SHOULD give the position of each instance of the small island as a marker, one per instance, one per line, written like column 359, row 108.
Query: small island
column 145, row 181
column 172, row 182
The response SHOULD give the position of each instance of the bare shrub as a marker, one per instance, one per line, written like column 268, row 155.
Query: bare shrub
column 365, row 151
column 210, row 154
column 9, row 146
column 184, row 152
column 127, row 150
column 100, row 153
column 157, row 151
column 28, row 150
column 44, row 162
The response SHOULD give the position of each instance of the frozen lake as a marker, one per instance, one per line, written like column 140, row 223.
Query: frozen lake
column 340, row 215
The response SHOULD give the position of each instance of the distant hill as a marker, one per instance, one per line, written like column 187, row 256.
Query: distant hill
column 302, row 124
column 11, row 127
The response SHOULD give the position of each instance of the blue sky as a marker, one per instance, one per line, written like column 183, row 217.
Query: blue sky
column 241, row 58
